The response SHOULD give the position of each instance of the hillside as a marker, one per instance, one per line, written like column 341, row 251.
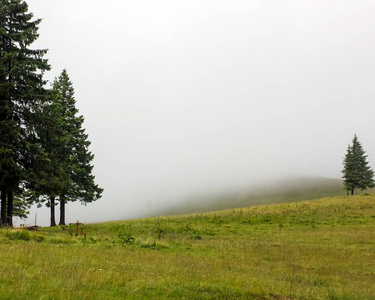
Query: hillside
column 319, row 249
column 287, row 190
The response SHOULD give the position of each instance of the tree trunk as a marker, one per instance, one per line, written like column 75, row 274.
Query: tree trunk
column 10, row 209
column 3, row 206
column 62, row 211
column 52, row 204
column 352, row 192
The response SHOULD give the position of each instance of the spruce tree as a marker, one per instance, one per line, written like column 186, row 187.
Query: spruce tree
column 49, row 172
column 21, row 90
column 71, row 153
column 356, row 173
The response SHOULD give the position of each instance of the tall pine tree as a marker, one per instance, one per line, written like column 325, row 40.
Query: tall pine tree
column 68, row 151
column 21, row 90
column 49, row 173
column 356, row 173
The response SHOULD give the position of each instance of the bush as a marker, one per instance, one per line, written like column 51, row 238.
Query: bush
column 18, row 235
column 126, row 238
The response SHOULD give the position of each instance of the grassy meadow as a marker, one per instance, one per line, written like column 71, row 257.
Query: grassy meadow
column 319, row 249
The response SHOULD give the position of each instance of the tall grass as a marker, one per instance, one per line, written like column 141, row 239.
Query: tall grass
column 322, row 249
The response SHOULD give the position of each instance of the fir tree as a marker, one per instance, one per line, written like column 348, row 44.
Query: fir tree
column 49, row 172
column 67, row 147
column 21, row 88
column 356, row 173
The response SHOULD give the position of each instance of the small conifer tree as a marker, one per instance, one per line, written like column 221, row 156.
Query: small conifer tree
column 356, row 173
column 78, row 182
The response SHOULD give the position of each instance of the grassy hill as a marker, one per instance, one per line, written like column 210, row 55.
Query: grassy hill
column 320, row 249
column 286, row 190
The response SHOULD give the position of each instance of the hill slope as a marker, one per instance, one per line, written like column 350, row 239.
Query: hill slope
column 320, row 249
column 287, row 190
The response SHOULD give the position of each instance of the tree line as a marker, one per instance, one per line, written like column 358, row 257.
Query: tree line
column 44, row 150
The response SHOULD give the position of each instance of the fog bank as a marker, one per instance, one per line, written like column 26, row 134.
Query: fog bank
column 190, row 98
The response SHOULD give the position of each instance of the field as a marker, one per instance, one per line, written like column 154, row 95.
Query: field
column 319, row 249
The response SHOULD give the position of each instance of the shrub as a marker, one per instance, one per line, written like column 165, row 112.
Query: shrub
column 126, row 238
column 18, row 235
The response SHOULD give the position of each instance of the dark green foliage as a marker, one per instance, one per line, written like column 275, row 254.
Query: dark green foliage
column 21, row 92
column 20, row 207
column 79, row 181
column 126, row 238
column 51, row 178
column 67, row 174
column 356, row 173
column 43, row 148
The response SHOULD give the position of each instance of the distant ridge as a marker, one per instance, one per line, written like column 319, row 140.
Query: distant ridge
column 281, row 191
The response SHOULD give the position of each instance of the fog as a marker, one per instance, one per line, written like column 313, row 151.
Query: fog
column 184, row 99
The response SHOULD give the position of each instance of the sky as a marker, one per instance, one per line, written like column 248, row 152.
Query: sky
column 187, row 98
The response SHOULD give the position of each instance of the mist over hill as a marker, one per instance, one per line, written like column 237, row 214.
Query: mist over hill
column 275, row 191
column 280, row 191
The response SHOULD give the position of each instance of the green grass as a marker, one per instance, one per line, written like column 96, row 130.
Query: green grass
column 321, row 249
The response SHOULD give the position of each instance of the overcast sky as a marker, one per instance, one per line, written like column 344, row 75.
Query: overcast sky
column 189, row 97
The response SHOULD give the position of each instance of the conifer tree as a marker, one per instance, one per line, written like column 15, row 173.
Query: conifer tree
column 21, row 90
column 69, row 151
column 356, row 173
column 49, row 172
